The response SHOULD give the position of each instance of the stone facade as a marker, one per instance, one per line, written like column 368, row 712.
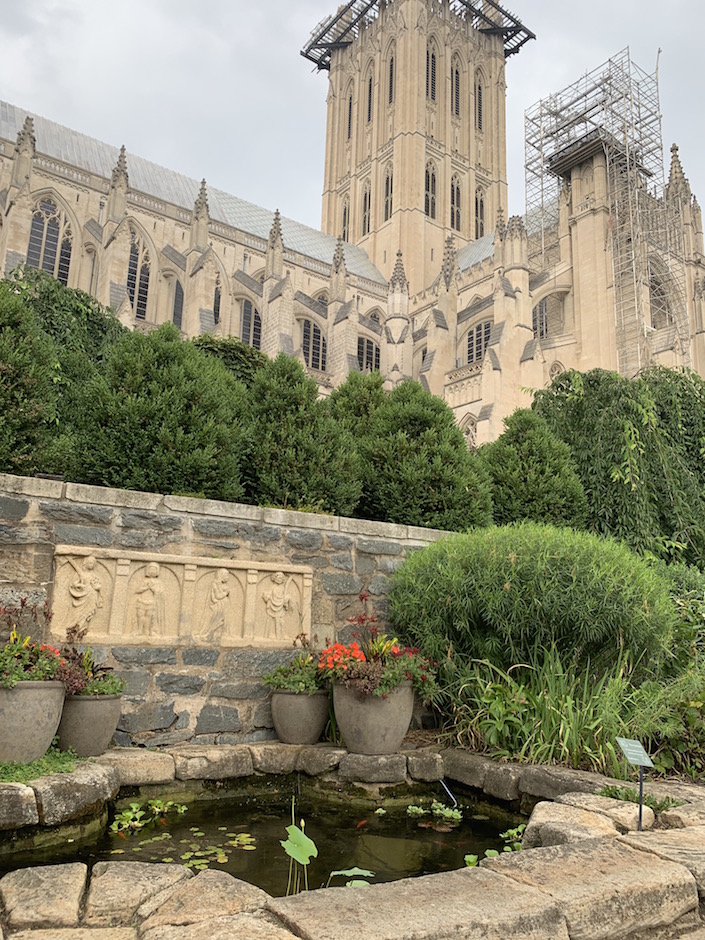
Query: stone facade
column 191, row 601
column 416, row 272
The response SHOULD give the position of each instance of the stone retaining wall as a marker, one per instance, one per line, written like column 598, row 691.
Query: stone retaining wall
column 181, row 686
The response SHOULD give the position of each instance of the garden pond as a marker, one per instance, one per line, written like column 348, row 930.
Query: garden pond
column 243, row 835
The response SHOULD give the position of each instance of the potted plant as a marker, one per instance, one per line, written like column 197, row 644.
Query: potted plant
column 300, row 697
column 374, row 680
column 31, row 693
column 93, row 701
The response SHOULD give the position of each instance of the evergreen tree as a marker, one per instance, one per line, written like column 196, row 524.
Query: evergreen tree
column 238, row 358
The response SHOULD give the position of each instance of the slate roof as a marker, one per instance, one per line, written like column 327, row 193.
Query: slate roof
column 475, row 252
column 76, row 149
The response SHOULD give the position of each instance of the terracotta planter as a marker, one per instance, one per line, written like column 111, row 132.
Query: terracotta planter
column 371, row 724
column 299, row 718
column 29, row 716
column 88, row 723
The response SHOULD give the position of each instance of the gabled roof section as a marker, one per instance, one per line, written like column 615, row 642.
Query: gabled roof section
column 340, row 29
column 93, row 156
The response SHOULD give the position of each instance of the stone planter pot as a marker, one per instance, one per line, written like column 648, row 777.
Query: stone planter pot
column 88, row 723
column 29, row 716
column 299, row 718
column 371, row 724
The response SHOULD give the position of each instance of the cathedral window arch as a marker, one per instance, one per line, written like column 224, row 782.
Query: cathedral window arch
column 178, row 310
column 313, row 345
column 345, row 223
column 250, row 324
column 388, row 193
column 469, row 428
column 478, row 340
column 366, row 208
column 659, row 301
column 391, row 78
column 479, row 213
column 455, row 218
column 349, row 112
column 368, row 354
column 479, row 102
column 370, row 96
column 138, row 271
column 217, row 296
column 455, row 72
column 431, row 72
column 430, row 186
column 50, row 240
column 547, row 316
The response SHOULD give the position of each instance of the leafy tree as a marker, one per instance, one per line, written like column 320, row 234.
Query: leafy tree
column 416, row 466
column 355, row 401
column 301, row 457
column 635, row 455
column 237, row 357
column 533, row 475
column 162, row 417
column 28, row 370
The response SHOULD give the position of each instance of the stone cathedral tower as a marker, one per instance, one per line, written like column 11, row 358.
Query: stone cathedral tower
column 415, row 141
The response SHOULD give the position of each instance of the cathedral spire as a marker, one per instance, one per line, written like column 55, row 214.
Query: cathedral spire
column 119, row 184
column 26, row 141
column 338, row 274
column 339, row 256
column 678, row 184
column 450, row 260
column 200, row 207
column 25, row 149
column 119, row 175
column 200, row 217
column 398, row 281
column 274, row 263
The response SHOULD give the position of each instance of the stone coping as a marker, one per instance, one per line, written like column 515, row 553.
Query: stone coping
column 589, row 876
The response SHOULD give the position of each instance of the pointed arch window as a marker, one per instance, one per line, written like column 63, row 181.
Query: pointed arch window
column 388, row 193
column 431, row 74
column 216, row 303
column 391, row 89
column 178, row 312
column 430, row 191
column 479, row 104
column 313, row 345
column 50, row 240
column 370, row 92
column 345, row 227
column 539, row 319
column 366, row 207
column 251, row 332
column 478, row 340
column 455, row 203
column 455, row 89
column 479, row 213
column 138, row 269
column 348, row 123
column 659, row 302
column 367, row 355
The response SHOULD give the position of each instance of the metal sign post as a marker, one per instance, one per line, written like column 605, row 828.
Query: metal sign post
column 637, row 757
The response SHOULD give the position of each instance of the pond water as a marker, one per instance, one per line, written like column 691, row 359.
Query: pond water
column 244, row 838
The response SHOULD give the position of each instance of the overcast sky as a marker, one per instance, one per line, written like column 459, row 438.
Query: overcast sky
column 217, row 89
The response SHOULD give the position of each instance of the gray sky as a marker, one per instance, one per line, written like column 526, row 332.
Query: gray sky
column 218, row 88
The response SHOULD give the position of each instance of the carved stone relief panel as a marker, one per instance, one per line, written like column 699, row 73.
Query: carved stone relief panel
column 142, row 599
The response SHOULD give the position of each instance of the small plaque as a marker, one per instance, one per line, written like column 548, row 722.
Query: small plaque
column 635, row 753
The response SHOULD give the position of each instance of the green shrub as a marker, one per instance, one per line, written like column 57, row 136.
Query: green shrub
column 533, row 475
column 498, row 593
column 162, row 417
column 417, row 469
column 301, row 458
column 354, row 402
column 238, row 358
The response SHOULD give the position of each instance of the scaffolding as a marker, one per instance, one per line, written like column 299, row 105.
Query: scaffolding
column 614, row 109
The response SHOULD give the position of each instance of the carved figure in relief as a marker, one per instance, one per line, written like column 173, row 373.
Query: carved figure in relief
column 149, row 602
column 85, row 594
column 214, row 617
column 278, row 603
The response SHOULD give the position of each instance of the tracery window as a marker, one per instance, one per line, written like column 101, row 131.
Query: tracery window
column 388, row 193
column 478, row 338
column 367, row 355
column 390, row 98
column 431, row 74
column 177, row 315
column 370, row 91
column 251, row 330
column 539, row 319
column 366, row 206
column 138, row 268
column 455, row 203
column 216, row 303
column 430, row 191
column 350, row 114
column 661, row 311
column 50, row 240
column 547, row 316
column 479, row 213
column 479, row 106
column 455, row 89
column 345, row 227
column 313, row 345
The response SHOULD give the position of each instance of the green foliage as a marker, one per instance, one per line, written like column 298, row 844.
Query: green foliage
column 417, row 469
column 241, row 360
column 512, row 839
column 300, row 456
column 533, row 475
column 21, row 660
column 354, row 402
column 638, row 446
column 300, row 675
column 630, row 795
column 138, row 815
column 162, row 417
column 53, row 762
column 29, row 369
column 499, row 593
column 541, row 713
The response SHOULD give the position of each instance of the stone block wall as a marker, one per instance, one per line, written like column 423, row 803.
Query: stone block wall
column 181, row 686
